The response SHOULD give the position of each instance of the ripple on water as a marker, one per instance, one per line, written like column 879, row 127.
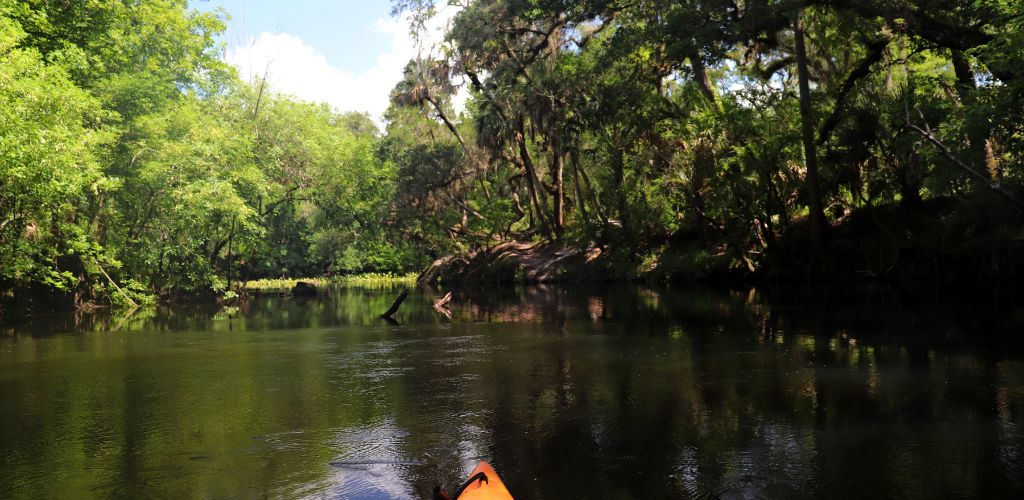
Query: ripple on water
column 382, row 373
column 776, row 461
column 380, row 441
column 383, row 360
column 370, row 481
column 368, row 463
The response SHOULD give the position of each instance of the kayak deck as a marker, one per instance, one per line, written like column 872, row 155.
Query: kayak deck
column 483, row 484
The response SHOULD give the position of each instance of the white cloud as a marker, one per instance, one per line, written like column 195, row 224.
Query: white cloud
column 294, row 67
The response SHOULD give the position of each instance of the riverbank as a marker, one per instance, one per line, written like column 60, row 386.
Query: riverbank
column 942, row 242
column 23, row 302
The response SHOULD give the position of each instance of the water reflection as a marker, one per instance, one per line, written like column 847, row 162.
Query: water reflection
column 600, row 393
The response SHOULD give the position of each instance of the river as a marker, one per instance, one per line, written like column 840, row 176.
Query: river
column 570, row 392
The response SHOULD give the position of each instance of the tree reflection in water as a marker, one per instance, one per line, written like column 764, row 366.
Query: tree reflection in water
column 613, row 392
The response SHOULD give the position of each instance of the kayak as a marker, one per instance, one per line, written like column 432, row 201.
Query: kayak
column 483, row 484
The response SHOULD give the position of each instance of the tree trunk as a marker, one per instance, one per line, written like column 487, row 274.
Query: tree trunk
column 513, row 189
column 559, row 163
column 574, row 159
column 700, row 76
column 817, row 215
column 596, row 203
column 532, row 182
column 231, row 239
column 619, row 170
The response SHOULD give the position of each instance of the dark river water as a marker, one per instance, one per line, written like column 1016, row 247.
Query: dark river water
column 577, row 392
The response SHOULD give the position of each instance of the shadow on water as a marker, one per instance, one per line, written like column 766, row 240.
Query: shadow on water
column 603, row 392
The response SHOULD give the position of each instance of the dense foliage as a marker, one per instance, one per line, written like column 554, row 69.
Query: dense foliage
column 694, row 137
column 131, row 156
column 751, row 136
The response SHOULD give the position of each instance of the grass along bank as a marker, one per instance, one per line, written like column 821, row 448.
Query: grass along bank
column 366, row 279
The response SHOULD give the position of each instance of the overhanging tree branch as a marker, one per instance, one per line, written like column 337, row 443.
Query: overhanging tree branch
column 996, row 188
column 876, row 49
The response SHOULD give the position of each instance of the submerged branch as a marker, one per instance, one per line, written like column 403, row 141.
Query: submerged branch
column 395, row 305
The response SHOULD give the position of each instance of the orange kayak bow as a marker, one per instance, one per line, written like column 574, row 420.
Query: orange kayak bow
column 483, row 484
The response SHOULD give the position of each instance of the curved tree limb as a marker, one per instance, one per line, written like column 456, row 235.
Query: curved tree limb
column 926, row 132
column 876, row 49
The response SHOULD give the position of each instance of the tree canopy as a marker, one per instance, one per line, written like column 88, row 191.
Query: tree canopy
column 752, row 136
column 131, row 154
column 747, row 137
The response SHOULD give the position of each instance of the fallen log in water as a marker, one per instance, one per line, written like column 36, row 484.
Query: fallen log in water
column 443, row 301
column 394, row 307
column 441, row 305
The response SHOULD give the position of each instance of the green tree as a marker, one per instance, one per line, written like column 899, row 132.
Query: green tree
column 50, row 134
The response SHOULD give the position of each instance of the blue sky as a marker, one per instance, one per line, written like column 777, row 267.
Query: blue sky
column 343, row 31
column 346, row 53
